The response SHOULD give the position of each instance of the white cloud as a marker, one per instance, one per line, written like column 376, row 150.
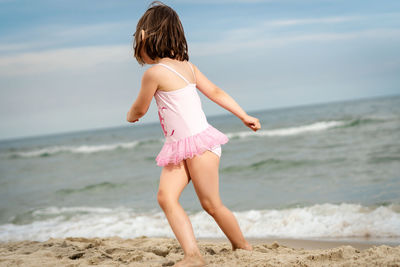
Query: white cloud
column 326, row 20
column 77, row 58
column 267, row 27
column 81, row 58
column 85, row 30
column 74, row 59
column 14, row 46
column 253, row 40
column 46, row 36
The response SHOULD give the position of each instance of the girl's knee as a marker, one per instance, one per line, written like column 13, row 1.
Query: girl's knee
column 211, row 207
column 165, row 200
column 161, row 198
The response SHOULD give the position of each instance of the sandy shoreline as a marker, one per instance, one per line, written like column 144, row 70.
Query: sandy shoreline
column 310, row 244
column 144, row 251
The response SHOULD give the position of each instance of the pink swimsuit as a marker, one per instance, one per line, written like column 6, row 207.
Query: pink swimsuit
column 186, row 130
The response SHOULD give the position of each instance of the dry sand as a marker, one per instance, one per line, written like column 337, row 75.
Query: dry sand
column 144, row 251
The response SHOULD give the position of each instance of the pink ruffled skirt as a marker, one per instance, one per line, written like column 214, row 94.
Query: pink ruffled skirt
column 175, row 152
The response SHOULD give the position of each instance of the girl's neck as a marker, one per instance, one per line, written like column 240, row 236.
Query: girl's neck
column 165, row 60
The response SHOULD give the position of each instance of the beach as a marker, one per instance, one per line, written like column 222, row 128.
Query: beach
column 145, row 251
column 317, row 186
column 300, row 98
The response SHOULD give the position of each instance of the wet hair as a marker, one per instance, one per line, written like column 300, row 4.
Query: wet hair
column 163, row 34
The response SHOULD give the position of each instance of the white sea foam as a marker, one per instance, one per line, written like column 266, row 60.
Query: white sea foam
column 314, row 127
column 317, row 221
column 88, row 149
column 82, row 149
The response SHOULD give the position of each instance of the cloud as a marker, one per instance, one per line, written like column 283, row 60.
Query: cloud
column 14, row 46
column 45, row 49
column 244, row 43
column 326, row 20
column 22, row 59
column 270, row 33
column 85, row 30
column 51, row 36
column 264, row 27
column 84, row 57
column 73, row 59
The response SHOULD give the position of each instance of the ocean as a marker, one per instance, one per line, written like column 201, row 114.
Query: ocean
column 327, row 171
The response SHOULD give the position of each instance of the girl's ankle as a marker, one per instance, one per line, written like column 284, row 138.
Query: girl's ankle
column 245, row 246
column 194, row 254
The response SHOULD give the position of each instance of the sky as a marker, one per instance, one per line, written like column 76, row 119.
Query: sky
column 68, row 65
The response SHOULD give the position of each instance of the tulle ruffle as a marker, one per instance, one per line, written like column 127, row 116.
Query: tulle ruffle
column 191, row 146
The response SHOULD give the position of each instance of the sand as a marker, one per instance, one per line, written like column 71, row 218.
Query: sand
column 144, row 251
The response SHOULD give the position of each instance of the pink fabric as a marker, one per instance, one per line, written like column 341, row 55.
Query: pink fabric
column 188, row 147
column 184, row 124
column 180, row 113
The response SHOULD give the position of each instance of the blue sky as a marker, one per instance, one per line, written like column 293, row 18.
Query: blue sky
column 68, row 65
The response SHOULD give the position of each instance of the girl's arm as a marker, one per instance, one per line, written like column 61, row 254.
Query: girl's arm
column 220, row 97
column 149, row 86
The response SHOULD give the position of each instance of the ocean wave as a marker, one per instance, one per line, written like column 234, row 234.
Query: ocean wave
column 82, row 149
column 362, row 121
column 271, row 163
column 99, row 187
column 314, row 127
column 317, row 221
column 288, row 131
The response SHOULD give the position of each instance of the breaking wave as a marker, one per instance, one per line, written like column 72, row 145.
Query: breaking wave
column 317, row 221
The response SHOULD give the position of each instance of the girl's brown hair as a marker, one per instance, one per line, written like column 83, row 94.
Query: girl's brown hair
column 163, row 34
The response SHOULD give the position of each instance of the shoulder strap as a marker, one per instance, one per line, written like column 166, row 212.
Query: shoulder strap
column 194, row 75
column 177, row 73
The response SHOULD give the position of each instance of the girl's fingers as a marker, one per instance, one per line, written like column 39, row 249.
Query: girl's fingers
column 253, row 127
column 253, row 124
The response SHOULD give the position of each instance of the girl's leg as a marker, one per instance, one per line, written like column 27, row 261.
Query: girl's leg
column 173, row 180
column 203, row 171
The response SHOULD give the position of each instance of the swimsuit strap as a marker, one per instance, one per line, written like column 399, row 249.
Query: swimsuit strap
column 177, row 73
column 194, row 75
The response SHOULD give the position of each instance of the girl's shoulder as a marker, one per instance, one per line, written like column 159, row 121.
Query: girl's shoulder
column 153, row 72
column 158, row 73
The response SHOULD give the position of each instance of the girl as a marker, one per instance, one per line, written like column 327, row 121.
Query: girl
column 192, row 147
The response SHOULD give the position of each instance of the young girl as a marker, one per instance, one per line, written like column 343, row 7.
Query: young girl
column 192, row 147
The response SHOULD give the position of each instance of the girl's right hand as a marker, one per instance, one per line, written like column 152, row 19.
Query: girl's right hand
column 251, row 122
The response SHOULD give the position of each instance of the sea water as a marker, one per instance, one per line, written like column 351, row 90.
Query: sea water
column 328, row 171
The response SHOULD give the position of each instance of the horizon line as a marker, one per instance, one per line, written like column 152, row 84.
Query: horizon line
column 18, row 138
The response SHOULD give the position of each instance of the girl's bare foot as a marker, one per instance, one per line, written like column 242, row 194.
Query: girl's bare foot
column 245, row 246
column 191, row 261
